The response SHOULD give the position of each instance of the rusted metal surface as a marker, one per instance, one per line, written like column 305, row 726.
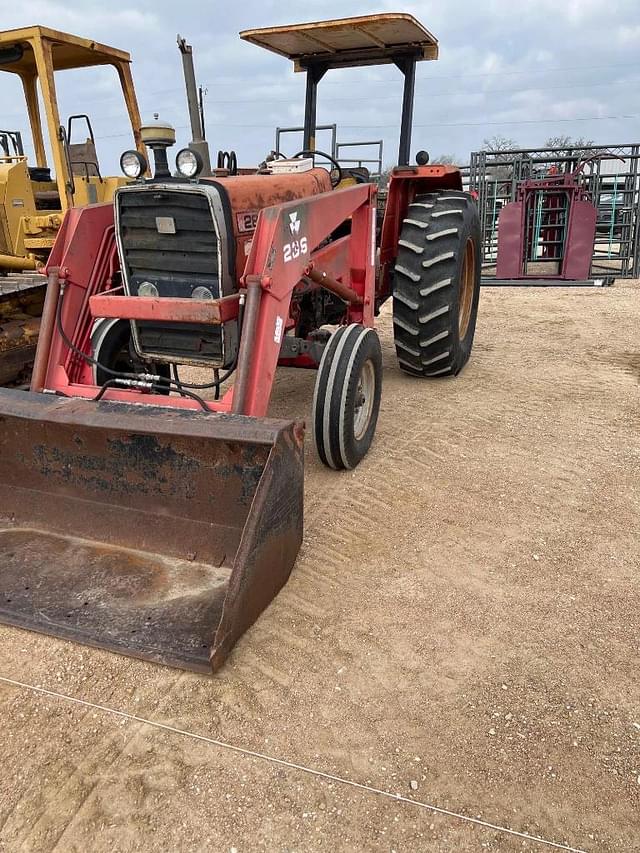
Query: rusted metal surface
column 17, row 352
column 253, row 192
column 166, row 309
column 334, row 286
column 20, row 304
column 18, row 333
column 157, row 533
column 47, row 325
column 362, row 40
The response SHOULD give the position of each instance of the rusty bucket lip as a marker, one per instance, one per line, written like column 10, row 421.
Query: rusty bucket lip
column 150, row 649
column 142, row 417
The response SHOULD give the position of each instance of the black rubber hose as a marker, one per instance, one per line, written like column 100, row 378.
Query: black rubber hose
column 79, row 352
column 90, row 360
column 221, row 379
column 152, row 386
column 179, row 386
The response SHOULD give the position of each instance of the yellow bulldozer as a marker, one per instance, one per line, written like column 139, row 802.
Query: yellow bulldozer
column 34, row 195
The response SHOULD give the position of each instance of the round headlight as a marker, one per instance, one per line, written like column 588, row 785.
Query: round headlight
column 189, row 163
column 147, row 289
column 202, row 293
column 133, row 164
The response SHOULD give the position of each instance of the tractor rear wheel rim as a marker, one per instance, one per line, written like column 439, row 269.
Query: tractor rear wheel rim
column 467, row 281
column 365, row 393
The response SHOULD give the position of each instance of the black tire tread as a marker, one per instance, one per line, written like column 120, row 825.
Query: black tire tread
column 335, row 379
column 425, row 292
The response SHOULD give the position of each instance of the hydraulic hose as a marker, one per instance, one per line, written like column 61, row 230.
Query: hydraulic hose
column 152, row 380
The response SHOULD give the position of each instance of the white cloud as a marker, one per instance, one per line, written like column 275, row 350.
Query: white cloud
column 506, row 66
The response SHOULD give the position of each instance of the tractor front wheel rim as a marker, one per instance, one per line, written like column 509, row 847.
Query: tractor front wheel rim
column 365, row 393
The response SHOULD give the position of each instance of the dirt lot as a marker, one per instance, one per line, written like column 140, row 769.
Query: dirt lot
column 463, row 616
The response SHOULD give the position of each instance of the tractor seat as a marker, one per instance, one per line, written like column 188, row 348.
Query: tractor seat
column 84, row 159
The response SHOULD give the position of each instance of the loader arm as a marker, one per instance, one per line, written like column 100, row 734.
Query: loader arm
column 284, row 251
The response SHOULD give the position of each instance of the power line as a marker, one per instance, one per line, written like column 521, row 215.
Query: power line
column 510, row 73
column 233, row 81
column 426, row 95
column 428, row 125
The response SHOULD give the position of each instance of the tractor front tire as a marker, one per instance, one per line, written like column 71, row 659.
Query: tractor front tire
column 437, row 284
column 113, row 350
column 346, row 398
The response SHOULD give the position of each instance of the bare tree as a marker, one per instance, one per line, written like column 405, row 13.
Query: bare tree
column 447, row 159
column 577, row 149
column 567, row 142
column 498, row 143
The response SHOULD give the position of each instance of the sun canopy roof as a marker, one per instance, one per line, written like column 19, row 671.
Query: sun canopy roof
column 17, row 50
column 365, row 40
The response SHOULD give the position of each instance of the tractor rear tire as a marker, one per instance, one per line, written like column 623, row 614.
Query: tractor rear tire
column 437, row 284
column 346, row 399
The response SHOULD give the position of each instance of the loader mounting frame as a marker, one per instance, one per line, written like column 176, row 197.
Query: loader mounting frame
column 281, row 258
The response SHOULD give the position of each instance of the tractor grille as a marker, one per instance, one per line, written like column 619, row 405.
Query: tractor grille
column 176, row 263
column 168, row 240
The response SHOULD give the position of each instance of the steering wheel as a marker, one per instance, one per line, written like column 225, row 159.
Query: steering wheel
column 335, row 179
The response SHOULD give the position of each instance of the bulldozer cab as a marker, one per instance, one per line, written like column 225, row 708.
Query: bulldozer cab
column 34, row 195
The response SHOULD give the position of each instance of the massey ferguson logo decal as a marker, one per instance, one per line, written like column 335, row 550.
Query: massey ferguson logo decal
column 300, row 245
column 294, row 222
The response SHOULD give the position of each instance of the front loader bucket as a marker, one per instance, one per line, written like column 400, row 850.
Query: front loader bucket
column 154, row 532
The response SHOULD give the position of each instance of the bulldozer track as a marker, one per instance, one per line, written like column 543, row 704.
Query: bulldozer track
column 21, row 300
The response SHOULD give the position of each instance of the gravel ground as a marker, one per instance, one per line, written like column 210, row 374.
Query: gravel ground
column 461, row 628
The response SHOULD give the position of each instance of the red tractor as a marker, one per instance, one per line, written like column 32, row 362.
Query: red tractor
column 148, row 498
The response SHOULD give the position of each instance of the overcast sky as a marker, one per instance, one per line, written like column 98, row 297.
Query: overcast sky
column 525, row 69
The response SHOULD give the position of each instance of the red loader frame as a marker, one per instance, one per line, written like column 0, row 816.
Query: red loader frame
column 284, row 256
